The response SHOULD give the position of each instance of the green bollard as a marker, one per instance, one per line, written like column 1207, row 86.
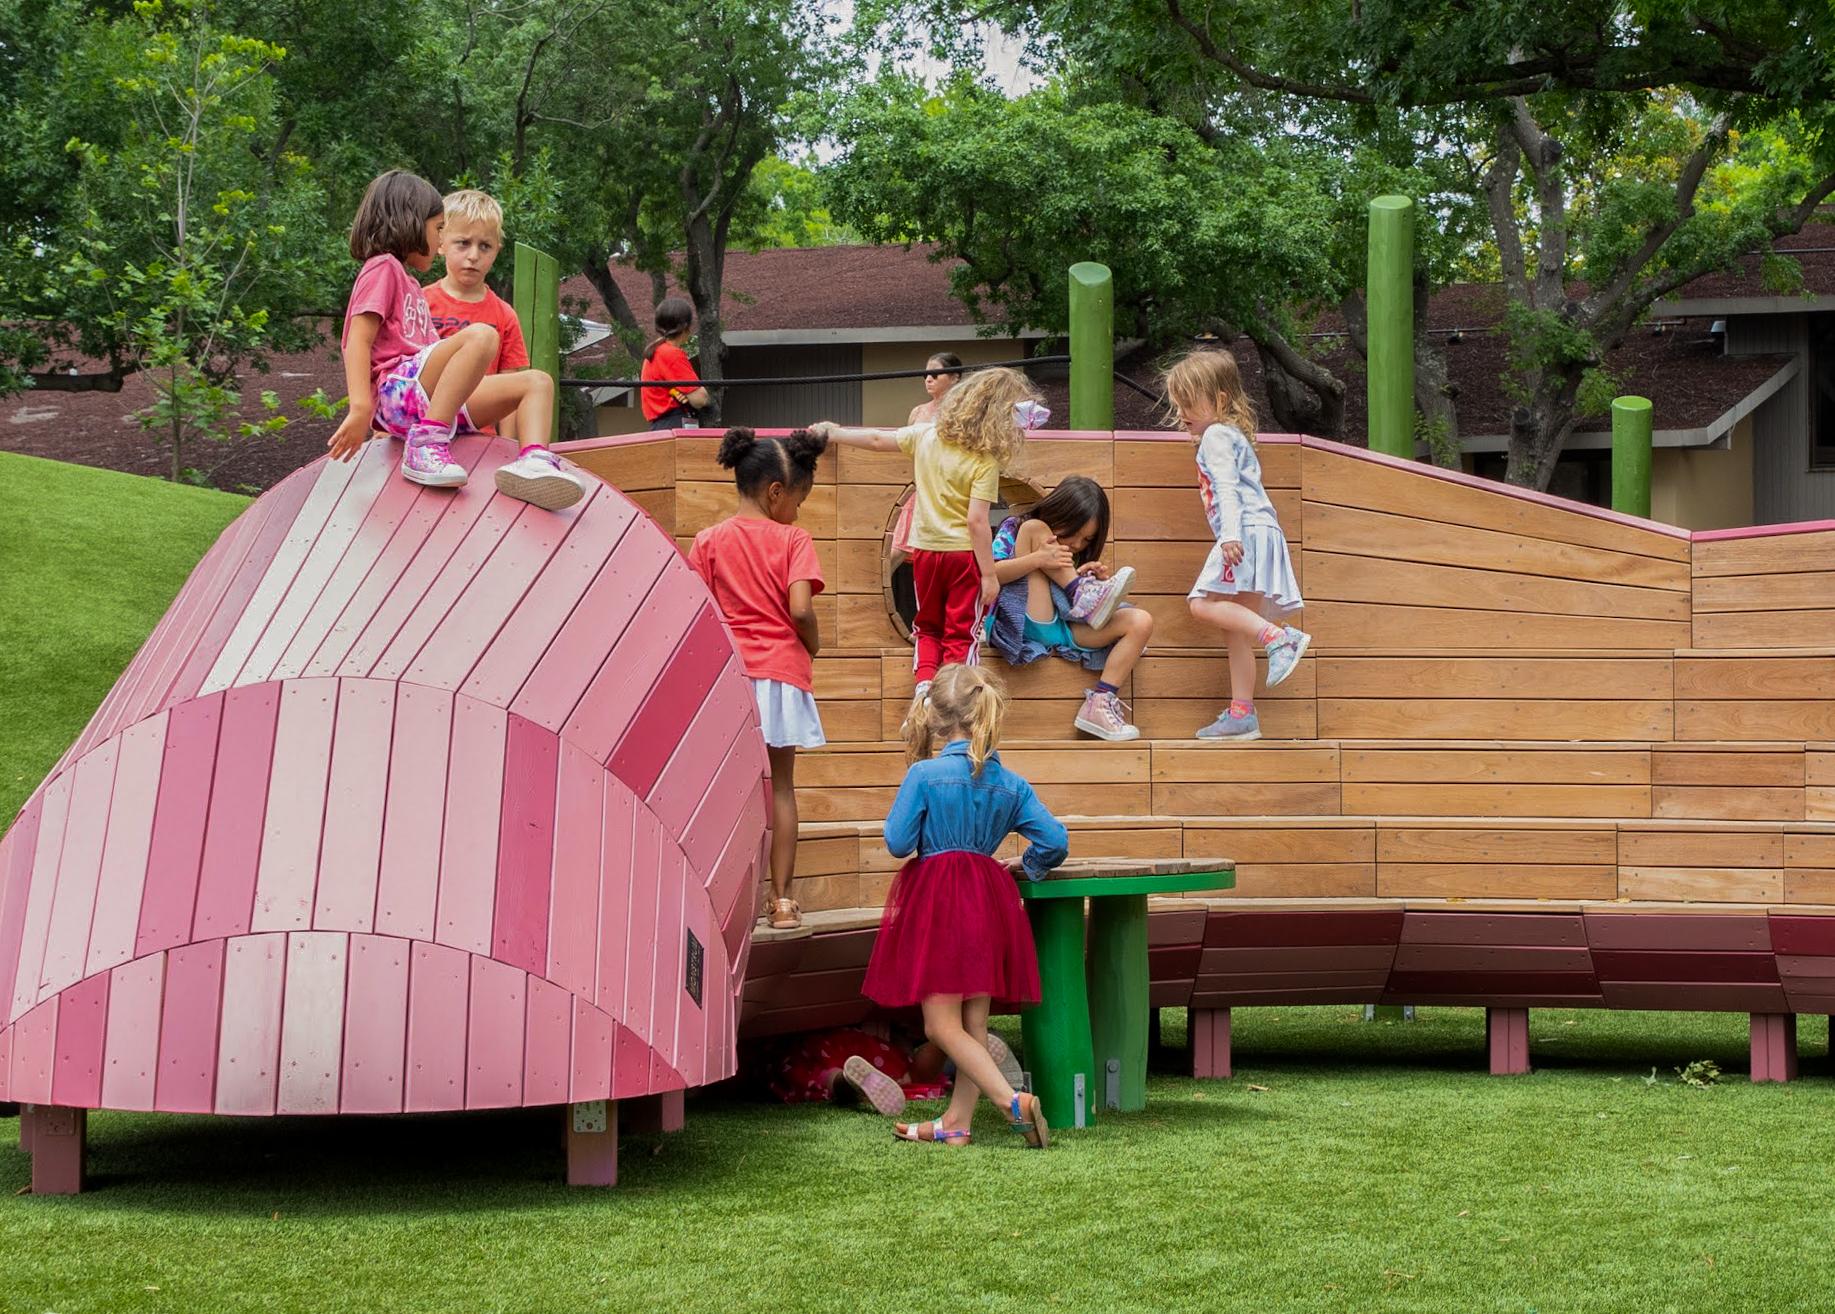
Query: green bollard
column 1389, row 298
column 1056, row 1032
column 1092, row 347
column 1631, row 428
column 537, row 295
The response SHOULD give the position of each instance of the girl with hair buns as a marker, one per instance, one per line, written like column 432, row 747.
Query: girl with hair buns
column 955, row 936
column 763, row 573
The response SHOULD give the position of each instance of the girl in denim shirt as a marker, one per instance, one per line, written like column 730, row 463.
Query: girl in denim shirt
column 955, row 936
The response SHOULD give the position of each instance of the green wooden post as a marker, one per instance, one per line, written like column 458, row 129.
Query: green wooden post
column 1056, row 1033
column 1631, row 428
column 1118, row 1000
column 1389, row 299
column 537, row 294
column 1092, row 348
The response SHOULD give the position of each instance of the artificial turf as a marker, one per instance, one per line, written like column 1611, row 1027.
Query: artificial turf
column 1347, row 1166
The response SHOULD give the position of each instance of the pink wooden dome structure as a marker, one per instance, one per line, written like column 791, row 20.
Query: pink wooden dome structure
column 415, row 800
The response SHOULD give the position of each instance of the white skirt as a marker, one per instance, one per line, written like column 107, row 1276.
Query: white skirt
column 1265, row 568
column 788, row 715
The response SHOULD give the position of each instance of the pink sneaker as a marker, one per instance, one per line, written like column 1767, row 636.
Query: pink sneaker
column 1106, row 716
column 1097, row 599
column 873, row 1086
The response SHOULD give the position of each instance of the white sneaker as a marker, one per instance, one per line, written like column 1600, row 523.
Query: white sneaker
column 540, row 480
column 431, row 464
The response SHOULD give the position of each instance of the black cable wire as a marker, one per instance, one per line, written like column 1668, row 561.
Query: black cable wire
column 809, row 378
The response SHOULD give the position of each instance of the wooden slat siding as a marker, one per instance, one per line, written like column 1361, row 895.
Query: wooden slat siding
column 1224, row 960
column 728, row 712
column 19, row 848
column 1700, row 884
column 1398, row 841
column 1643, row 930
column 175, row 854
column 1170, row 461
column 1208, row 799
column 248, row 1046
column 733, row 877
column 115, row 923
column 631, row 667
column 79, row 870
column 1751, row 719
column 1514, row 764
column 645, row 463
column 1544, row 930
column 657, row 505
column 1177, row 514
column 1378, row 625
column 375, row 1025
column 1764, row 553
column 82, row 1028
column 1755, row 677
column 192, row 1009
column 438, row 996
column 1728, row 803
column 1756, row 629
column 1493, row 675
column 1690, row 996
column 635, row 1018
column 1703, row 966
column 287, row 877
column 494, row 1037
column 593, row 1041
column 1444, row 880
column 619, row 873
column 474, row 807
column 1248, row 929
column 1483, row 960
column 34, row 1054
column 1477, row 718
column 547, row 1028
column 239, row 812
column 131, row 1045
column 526, row 847
column 312, row 1022
column 699, row 505
column 573, row 930
column 413, row 830
column 1800, row 591
column 1334, row 576
column 668, row 709
column 698, row 458
column 355, row 800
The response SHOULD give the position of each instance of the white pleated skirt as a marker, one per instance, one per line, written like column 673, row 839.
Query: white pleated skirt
column 1265, row 568
column 788, row 715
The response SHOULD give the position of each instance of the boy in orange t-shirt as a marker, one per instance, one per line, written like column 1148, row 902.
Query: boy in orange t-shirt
column 473, row 237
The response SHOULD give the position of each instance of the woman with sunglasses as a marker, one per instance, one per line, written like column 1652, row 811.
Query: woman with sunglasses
column 942, row 372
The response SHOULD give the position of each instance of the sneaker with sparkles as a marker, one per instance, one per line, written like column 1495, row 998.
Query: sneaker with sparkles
column 429, row 461
column 538, row 478
column 1106, row 716
column 1237, row 729
column 1097, row 599
column 1285, row 652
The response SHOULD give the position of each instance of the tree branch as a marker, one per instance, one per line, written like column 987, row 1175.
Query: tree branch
column 1687, row 184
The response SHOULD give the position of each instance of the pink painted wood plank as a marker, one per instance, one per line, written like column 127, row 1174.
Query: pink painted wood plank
column 619, row 873
column 1763, row 531
column 330, row 480
column 443, row 653
column 79, row 870
column 573, row 932
column 286, row 880
column 191, row 1010
column 122, row 881
column 35, row 1054
column 738, row 791
column 593, row 1032
column 525, row 847
column 358, row 792
column 131, row 1045
column 82, row 1026
column 553, row 689
column 474, row 797
column 439, row 987
column 517, row 647
column 312, row 1022
column 407, row 889
column 546, row 1052
column 18, row 855
column 732, row 886
column 647, row 877
column 169, row 895
column 494, row 1038
column 634, row 663
column 375, row 1025
column 668, row 990
column 248, row 1046
column 631, row 1059
column 728, row 711
column 22, row 988
column 238, row 812
column 692, row 1018
column 670, row 706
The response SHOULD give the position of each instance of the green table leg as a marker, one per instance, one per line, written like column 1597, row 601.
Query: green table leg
column 1118, row 999
column 1057, row 1032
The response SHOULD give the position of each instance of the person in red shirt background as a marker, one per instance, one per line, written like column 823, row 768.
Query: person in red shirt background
column 671, row 408
column 472, row 241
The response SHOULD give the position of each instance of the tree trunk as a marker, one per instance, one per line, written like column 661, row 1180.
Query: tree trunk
column 178, row 426
column 1539, row 427
column 702, row 274
column 598, row 272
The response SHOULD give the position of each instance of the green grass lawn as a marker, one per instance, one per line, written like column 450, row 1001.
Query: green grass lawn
column 1347, row 1166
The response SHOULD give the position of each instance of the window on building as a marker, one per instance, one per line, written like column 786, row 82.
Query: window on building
column 1821, row 365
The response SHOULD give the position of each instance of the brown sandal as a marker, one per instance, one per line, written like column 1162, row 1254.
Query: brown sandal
column 786, row 915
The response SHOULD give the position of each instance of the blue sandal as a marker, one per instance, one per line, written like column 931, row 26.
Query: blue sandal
column 1037, row 1134
column 938, row 1133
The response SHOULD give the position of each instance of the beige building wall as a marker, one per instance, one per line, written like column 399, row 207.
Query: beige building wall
column 1701, row 488
column 885, row 402
column 611, row 420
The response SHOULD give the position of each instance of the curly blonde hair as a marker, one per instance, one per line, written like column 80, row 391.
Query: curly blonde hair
column 1211, row 377
column 977, row 414
column 964, row 702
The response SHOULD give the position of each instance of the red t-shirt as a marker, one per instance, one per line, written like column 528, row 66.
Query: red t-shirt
column 451, row 314
column 386, row 289
column 750, row 565
column 668, row 361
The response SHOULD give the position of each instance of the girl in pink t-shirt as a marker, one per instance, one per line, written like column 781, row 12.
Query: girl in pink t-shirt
column 405, row 380
column 764, row 575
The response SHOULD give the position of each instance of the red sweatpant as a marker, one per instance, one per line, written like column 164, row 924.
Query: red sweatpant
column 947, row 627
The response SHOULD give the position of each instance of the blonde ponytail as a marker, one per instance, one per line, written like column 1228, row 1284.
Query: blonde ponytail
column 964, row 702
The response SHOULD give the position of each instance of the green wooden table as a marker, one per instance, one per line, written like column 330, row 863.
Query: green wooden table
column 1086, row 1041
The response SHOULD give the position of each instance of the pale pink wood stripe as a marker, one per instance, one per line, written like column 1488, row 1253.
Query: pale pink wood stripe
column 35, row 1054
column 474, row 799
column 732, row 883
column 642, row 652
column 82, row 1026
column 238, row 812
column 692, row 1018
column 551, row 692
column 22, row 987
column 647, row 877
column 135, row 994
column 728, row 712
column 631, row 1055
column 189, row 1027
column 375, row 1024
column 545, row 1047
column 666, row 991
column 358, row 793
column 312, row 1022
column 667, row 710
column 287, row 877
column 408, row 885
column 439, row 987
column 519, row 645
column 525, row 847
column 738, row 796
column 248, row 1047
column 116, row 924
column 494, row 1045
column 79, row 870
column 18, row 855
column 593, row 1032
column 169, row 896
column 573, row 932
column 618, row 875
column 6, row 1067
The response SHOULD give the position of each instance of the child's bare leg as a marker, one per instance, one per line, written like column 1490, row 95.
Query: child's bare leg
column 945, row 1022
column 526, row 394
column 1032, row 537
column 1129, row 632
column 1242, row 625
column 783, row 820
column 453, row 370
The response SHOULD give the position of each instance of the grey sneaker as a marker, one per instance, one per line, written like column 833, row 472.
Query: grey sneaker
column 1097, row 598
column 1106, row 716
column 1285, row 652
column 1237, row 729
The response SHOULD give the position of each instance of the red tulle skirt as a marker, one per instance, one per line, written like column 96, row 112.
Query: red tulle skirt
column 954, row 925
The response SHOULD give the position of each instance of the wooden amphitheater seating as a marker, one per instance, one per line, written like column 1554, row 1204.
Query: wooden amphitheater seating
column 1539, row 754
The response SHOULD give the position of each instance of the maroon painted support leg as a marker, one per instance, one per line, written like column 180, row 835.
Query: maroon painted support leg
column 1774, row 1046
column 25, row 1129
column 58, row 1141
column 592, row 1143
column 1210, row 1041
column 667, row 1112
column 1507, row 1037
